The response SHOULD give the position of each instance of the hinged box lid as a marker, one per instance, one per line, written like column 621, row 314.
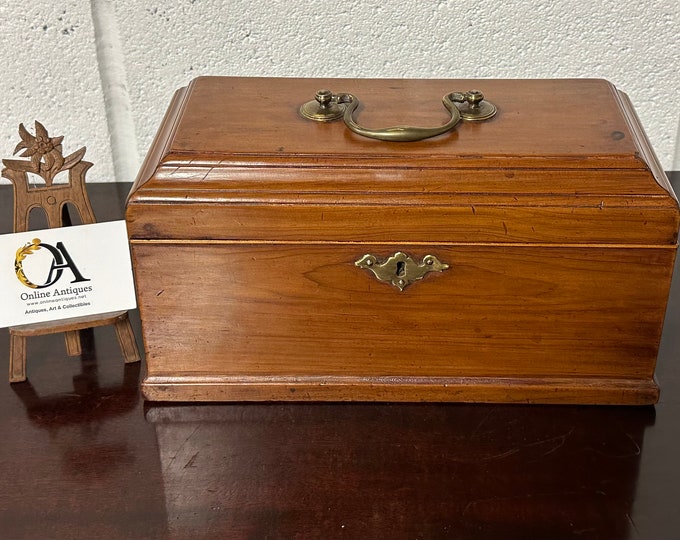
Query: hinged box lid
column 563, row 161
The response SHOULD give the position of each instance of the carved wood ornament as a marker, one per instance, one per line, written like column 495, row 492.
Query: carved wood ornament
column 46, row 160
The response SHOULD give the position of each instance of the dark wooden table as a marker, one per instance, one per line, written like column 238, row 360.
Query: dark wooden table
column 83, row 457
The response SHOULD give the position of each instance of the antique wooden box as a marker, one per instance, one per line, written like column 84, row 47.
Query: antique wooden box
column 525, row 257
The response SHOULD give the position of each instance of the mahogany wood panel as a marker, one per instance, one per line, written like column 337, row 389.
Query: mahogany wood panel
column 297, row 175
column 296, row 314
column 558, row 123
column 213, row 217
column 550, row 167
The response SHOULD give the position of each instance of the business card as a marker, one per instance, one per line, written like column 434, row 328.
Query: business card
column 66, row 272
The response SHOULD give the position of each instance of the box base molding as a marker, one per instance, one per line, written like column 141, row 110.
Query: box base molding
column 601, row 391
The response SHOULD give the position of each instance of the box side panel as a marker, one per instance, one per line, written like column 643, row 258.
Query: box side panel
column 408, row 218
column 222, row 314
column 304, row 176
column 646, row 152
column 160, row 144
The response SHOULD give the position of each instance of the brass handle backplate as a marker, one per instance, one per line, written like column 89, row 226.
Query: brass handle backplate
column 400, row 269
column 327, row 106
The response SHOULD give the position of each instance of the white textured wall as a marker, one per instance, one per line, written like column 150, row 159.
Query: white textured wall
column 102, row 73
column 49, row 72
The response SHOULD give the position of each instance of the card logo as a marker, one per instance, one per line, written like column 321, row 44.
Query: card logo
column 58, row 261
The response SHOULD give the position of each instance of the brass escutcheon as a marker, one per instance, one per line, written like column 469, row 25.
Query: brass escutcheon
column 400, row 269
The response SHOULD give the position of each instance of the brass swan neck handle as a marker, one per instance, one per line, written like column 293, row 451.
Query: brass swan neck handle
column 328, row 106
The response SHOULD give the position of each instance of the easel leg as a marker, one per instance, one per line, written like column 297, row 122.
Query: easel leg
column 126, row 338
column 17, row 358
column 72, row 342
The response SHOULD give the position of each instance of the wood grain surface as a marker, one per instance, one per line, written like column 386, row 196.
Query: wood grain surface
column 246, row 221
column 297, row 314
column 559, row 123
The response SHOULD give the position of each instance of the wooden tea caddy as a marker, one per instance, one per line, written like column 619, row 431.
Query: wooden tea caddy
column 523, row 257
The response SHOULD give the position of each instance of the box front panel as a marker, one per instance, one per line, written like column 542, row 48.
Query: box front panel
column 287, row 311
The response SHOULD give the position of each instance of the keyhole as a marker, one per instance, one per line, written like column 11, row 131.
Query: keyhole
column 401, row 268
